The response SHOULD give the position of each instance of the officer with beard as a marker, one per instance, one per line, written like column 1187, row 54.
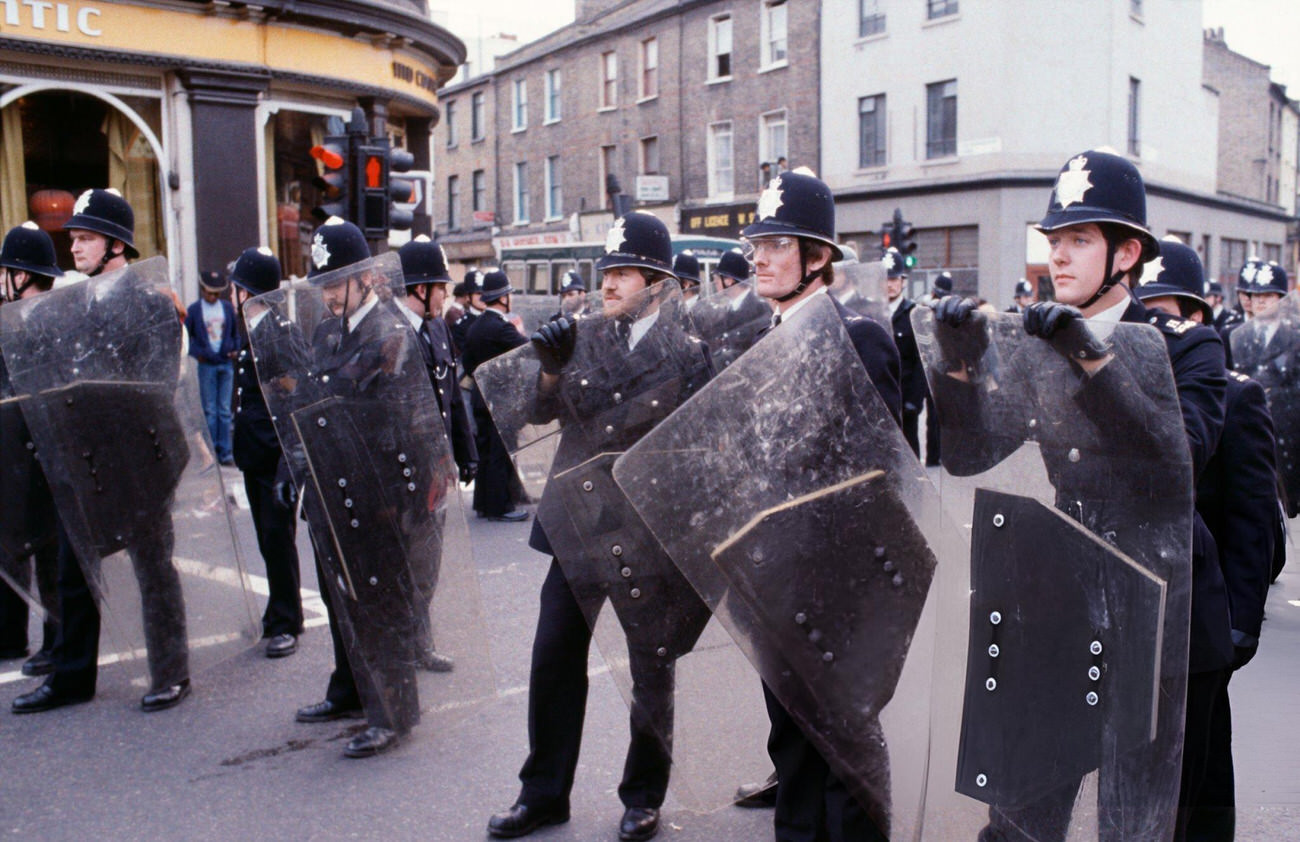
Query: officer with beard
column 573, row 297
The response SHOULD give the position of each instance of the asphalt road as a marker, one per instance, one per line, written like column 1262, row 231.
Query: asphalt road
column 231, row 763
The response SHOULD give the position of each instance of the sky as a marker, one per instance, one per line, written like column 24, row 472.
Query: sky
column 1266, row 30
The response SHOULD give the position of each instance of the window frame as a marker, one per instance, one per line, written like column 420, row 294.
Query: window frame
column 939, row 9
column 765, row 150
column 945, row 146
column 478, row 190
column 477, row 116
column 1134, row 116
column 880, row 152
column 874, row 22
column 453, row 203
column 519, row 104
column 608, row 80
column 769, row 60
column 648, row 74
column 713, row 173
column 449, row 120
column 714, row 53
column 648, row 142
column 554, row 89
column 521, row 199
column 554, row 188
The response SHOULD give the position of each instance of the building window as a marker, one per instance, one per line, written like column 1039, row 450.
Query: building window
column 650, row 156
column 871, row 131
column 478, row 190
column 476, row 114
column 554, row 195
column 453, row 202
column 871, row 20
column 773, row 27
column 608, row 79
column 552, row 96
column 1232, row 254
column 520, row 110
column 449, row 118
column 521, row 192
column 1272, row 252
column 721, row 164
column 772, row 136
column 649, row 68
column 1135, row 8
column 720, row 47
column 941, row 119
column 1134, row 103
column 940, row 8
column 607, row 168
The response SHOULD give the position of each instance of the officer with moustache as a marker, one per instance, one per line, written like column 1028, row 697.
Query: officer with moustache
column 259, row 456
column 424, row 267
column 28, row 536
column 915, row 392
column 102, row 227
column 792, row 246
column 1098, row 239
column 573, row 297
column 1237, row 499
column 496, row 489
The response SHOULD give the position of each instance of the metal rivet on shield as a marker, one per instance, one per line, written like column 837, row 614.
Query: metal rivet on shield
column 609, row 430
column 995, row 618
column 990, row 684
column 618, row 398
column 636, row 593
column 654, row 402
column 587, row 486
column 1073, row 455
column 355, row 523
column 410, row 486
column 662, row 652
column 1094, row 673
column 347, row 502
column 626, row 572
column 321, row 422
column 800, row 618
column 582, row 382
column 343, row 483
column 31, row 446
column 325, row 378
column 1092, row 698
column 374, row 580
column 999, row 520
column 617, row 550
column 1033, row 422
column 897, row 581
column 828, row 656
column 401, row 457
column 994, row 651
column 1095, row 648
column 981, row 780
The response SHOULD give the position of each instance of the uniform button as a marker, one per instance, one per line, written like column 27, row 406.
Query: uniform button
column 401, row 457
column 347, row 502
column 1033, row 422
column 626, row 572
column 321, row 422
column 662, row 652
column 617, row 550
column 410, row 486
column 586, row 486
column 636, row 593
column 609, row 430
column 355, row 523
column 343, row 483
column 828, row 656
column 406, row 472
column 325, row 379
column 1094, row 673
column 1095, row 647
column 654, row 403
column 1073, row 455
column 618, row 397
column 582, row 382
column 374, row 580
column 888, row 566
column 800, row 618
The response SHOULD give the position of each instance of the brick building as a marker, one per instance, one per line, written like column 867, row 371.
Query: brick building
column 678, row 102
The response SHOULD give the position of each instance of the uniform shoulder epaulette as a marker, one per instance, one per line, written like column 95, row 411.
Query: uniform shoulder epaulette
column 1238, row 376
column 1175, row 325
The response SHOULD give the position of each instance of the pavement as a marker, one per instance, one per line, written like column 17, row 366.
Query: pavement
column 230, row 762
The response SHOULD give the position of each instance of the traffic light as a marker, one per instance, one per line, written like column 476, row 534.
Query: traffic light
column 372, row 161
column 886, row 239
column 333, row 181
column 401, row 191
column 903, row 237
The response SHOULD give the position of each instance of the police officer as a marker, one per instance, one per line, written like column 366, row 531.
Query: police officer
column 27, row 263
column 259, row 456
column 1237, row 499
column 686, row 266
column 473, row 308
column 1214, row 298
column 573, row 296
column 1098, row 238
column 424, row 267
column 102, row 228
column 496, row 488
column 792, row 246
column 1024, row 296
column 913, row 373
column 635, row 350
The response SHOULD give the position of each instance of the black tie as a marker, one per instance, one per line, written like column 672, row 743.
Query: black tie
column 776, row 319
column 624, row 330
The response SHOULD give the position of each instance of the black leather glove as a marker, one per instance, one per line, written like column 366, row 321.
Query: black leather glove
column 285, row 494
column 1241, row 655
column 1065, row 328
column 554, row 343
column 961, row 332
column 467, row 472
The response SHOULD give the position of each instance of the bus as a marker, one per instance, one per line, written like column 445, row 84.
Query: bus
column 539, row 270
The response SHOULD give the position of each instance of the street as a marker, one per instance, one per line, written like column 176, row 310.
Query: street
column 230, row 762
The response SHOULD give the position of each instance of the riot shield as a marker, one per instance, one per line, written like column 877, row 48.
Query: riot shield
column 1267, row 348
column 816, row 547
column 1061, row 662
column 355, row 411
column 860, row 287
column 28, row 522
column 631, row 366
column 114, row 412
column 730, row 322
column 534, row 310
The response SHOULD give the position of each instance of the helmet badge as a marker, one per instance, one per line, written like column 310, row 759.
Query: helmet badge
column 1151, row 272
column 770, row 200
column 615, row 238
column 1073, row 184
column 320, row 254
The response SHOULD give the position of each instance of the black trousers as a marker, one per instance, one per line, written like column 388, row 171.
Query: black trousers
column 812, row 803
column 76, row 649
column 14, row 611
column 911, row 419
column 932, row 454
column 276, row 533
column 557, row 705
column 1207, row 802
column 496, row 488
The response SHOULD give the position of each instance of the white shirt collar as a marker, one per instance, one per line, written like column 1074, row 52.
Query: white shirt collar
column 821, row 290
column 362, row 311
column 895, row 304
column 257, row 320
column 640, row 327
column 411, row 316
column 1103, row 324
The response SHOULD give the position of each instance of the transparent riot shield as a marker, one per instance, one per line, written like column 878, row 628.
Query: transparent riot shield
column 631, row 366
column 114, row 412
column 816, row 544
column 860, row 287
column 355, row 410
column 1267, row 348
column 729, row 322
column 1061, row 660
column 534, row 310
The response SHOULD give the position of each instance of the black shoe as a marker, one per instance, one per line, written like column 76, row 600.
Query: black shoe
column 516, row 516
column 757, row 795
column 374, row 740
column 13, row 654
column 167, row 697
column 39, row 664
column 46, row 697
column 434, row 661
column 638, row 823
column 281, row 646
column 326, row 711
column 521, row 820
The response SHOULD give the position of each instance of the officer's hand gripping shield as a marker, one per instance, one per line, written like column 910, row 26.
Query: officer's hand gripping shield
column 1061, row 666
column 114, row 412
column 786, row 494
column 633, row 364
column 1267, row 348
column 358, row 420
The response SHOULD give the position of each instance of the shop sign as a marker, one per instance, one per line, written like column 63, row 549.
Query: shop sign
column 46, row 15
column 718, row 220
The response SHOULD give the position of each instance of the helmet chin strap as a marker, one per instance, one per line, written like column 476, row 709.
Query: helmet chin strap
column 107, row 256
column 802, row 285
column 1110, row 282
